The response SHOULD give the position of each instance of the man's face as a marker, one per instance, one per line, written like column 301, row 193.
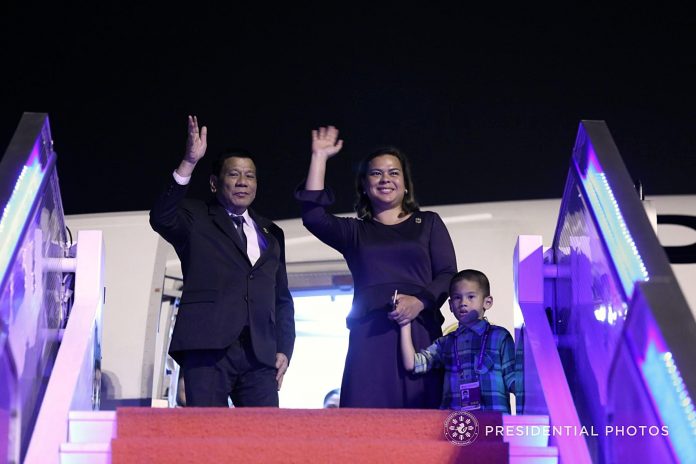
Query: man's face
column 235, row 186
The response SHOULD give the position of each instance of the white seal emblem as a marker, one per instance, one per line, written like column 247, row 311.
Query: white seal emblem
column 461, row 428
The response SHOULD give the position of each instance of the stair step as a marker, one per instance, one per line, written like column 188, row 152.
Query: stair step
column 91, row 426
column 85, row 453
column 524, row 430
column 289, row 423
column 533, row 455
column 272, row 448
column 295, row 436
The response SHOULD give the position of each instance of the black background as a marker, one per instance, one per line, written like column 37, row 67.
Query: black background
column 486, row 102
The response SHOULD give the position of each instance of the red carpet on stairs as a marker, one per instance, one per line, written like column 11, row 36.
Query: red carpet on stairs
column 269, row 435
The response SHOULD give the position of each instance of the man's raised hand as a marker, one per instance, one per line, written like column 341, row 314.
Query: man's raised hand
column 197, row 141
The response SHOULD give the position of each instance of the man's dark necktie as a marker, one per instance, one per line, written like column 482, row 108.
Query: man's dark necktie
column 239, row 225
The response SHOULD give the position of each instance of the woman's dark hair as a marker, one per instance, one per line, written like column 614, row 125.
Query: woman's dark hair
column 362, row 202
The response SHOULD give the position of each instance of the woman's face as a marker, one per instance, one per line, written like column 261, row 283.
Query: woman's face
column 384, row 182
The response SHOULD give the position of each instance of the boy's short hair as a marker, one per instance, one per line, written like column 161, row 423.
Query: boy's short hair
column 474, row 276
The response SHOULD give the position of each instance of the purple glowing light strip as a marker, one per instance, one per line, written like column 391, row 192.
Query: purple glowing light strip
column 19, row 207
column 622, row 248
column 669, row 394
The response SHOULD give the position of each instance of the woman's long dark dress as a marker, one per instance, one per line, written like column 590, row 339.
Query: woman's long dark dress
column 415, row 257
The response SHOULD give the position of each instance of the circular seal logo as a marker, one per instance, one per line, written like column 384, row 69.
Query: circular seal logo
column 461, row 428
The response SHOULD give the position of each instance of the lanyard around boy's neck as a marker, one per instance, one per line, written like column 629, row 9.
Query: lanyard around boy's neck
column 479, row 362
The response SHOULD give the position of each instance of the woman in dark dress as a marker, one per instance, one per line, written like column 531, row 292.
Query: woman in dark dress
column 391, row 246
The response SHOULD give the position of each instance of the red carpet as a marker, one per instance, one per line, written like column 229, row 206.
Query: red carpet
column 217, row 435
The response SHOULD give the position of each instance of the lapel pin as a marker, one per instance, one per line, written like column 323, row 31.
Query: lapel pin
column 265, row 230
column 418, row 220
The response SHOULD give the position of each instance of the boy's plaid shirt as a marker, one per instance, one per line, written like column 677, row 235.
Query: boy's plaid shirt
column 497, row 375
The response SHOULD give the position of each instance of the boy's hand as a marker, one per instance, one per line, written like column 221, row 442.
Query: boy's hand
column 406, row 309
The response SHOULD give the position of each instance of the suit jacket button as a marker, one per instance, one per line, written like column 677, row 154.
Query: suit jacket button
column 246, row 298
column 251, row 276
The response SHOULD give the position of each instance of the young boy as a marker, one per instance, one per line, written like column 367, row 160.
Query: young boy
column 478, row 357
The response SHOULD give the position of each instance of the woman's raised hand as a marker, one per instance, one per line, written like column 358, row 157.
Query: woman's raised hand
column 325, row 142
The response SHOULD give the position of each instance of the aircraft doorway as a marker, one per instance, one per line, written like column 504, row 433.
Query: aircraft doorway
column 320, row 350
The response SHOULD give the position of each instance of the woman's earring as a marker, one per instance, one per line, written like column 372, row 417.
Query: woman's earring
column 405, row 190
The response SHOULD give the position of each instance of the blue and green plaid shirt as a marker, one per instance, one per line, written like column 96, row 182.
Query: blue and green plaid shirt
column 497, row 376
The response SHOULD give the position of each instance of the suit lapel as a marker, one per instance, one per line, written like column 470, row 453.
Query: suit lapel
column 263, row 229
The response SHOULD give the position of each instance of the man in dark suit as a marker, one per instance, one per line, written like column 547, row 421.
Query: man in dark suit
column 235, row 328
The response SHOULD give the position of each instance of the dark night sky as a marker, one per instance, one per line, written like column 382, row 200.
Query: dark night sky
column 486, row 103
